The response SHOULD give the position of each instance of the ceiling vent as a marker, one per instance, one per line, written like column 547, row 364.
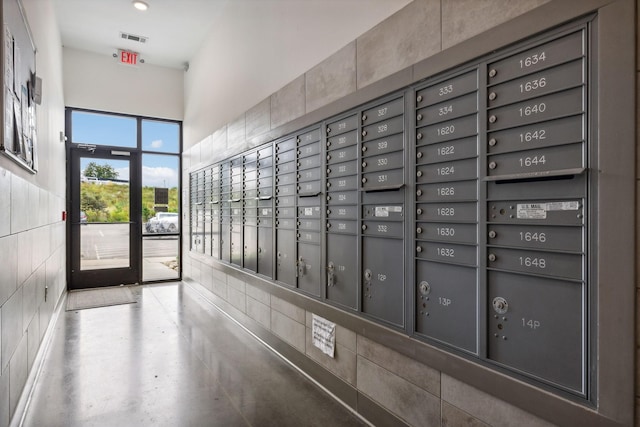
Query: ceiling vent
column 133, row 37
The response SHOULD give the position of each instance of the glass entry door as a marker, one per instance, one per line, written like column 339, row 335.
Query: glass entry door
column 104, row 217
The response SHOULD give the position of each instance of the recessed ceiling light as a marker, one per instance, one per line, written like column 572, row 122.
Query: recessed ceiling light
column 140, row 5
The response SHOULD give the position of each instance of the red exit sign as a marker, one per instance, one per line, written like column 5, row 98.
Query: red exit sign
column 127, row 57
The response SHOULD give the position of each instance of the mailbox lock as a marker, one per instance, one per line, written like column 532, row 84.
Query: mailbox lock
column 328, row 171
column 419, row 98
column 492, row 142
column 492, row 257
column 492, row 72
column 493, row 119
column 419, row 135
column 493, row 165
column 419, row 154
column 419, row 230
column 419, row 174
column 330, row 274
column 500, row 305
column 364, row 117
column 328, row 156
column 328, row 143
column 419, row 211
column 364, row 164
column 492, row 96
column 492, row 234
column 419, row 117
column 328, row 198
column 364, row 227
column 419, row 193
column 364, row 180
column 328, row 129
column 368, row 275
column 425, row 288
column 328, row 225
column 364, row 133
column 419, row 249
column 364, row 149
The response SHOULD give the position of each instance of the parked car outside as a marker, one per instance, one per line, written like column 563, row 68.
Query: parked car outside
column 163, row 222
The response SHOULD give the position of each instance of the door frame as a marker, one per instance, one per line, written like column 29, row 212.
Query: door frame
column 82, row 279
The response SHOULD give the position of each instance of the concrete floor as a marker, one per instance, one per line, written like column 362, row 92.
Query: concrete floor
column 171, row 359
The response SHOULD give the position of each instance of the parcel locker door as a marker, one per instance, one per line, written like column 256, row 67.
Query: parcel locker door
column 308, row 268
column 250, row 253
column 342, row 269
column 225, row 240
column 383, row 279
column 446, row 304
column 236, row 244
column 286, row 256
column 265, row 251
column 536, row 326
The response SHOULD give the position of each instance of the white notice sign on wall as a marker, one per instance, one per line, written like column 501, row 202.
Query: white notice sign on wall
column 324, row 335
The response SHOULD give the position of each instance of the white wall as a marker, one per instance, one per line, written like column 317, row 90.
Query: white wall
column 239, row 66
column 99, row 82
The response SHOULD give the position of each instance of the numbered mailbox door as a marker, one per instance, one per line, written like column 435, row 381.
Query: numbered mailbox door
column 342, row 274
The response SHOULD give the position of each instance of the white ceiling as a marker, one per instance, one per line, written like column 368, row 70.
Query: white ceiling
column 175, row 28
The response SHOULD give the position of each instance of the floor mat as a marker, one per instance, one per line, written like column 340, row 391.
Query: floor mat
column 92, row 298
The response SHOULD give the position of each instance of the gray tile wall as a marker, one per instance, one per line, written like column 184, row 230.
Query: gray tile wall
column 32, row 250
column 415, row 393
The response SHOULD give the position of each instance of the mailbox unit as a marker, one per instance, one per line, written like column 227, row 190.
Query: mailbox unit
column 482, row 173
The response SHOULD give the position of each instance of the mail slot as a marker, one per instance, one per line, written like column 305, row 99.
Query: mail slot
column 309, row 224
column 342, row 169
column 389, row 212
column 250, row 157
column 341, row 141
column 264, row 153
column 447, row 131
column 343, row 212
column 381, row 180
column 309, row 150
column 383, row 128
column 311, row 136
column 308, row 236
column 342, row 270
column 446, row 252
column 447, row 232
column 383, row 145
column 384, row 111
column 538, row 135
column 543, row 212
column 541, row 237
column 342, row 155
column 383, row 229
column 444, row 191
column 264, row 163
column 536, row 325
column 288, row 223
column 535, row 110
column 448, row 89
column 551, row 80
column 310, row 162
column 288, row 167
column 344, row 183
column 383, row 279
column 448, row 171
column 287, row 156
column 310, row 188
column 568, row 266
column 536, row 162
column 309, row 212
column 446, row 212
column 313, row 174
column 383, row 162
column 309, row 269
column 538, row 58
column 285, row 201
column 285, row 190
column 343, row 125
column 451, row 109
column 447, row 304
column 286, row 145
column 447, row 151
column 342, row 198
column 342, row 226
column 286, row 212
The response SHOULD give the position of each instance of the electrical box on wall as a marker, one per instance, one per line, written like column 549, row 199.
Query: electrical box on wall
column 457, row 210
